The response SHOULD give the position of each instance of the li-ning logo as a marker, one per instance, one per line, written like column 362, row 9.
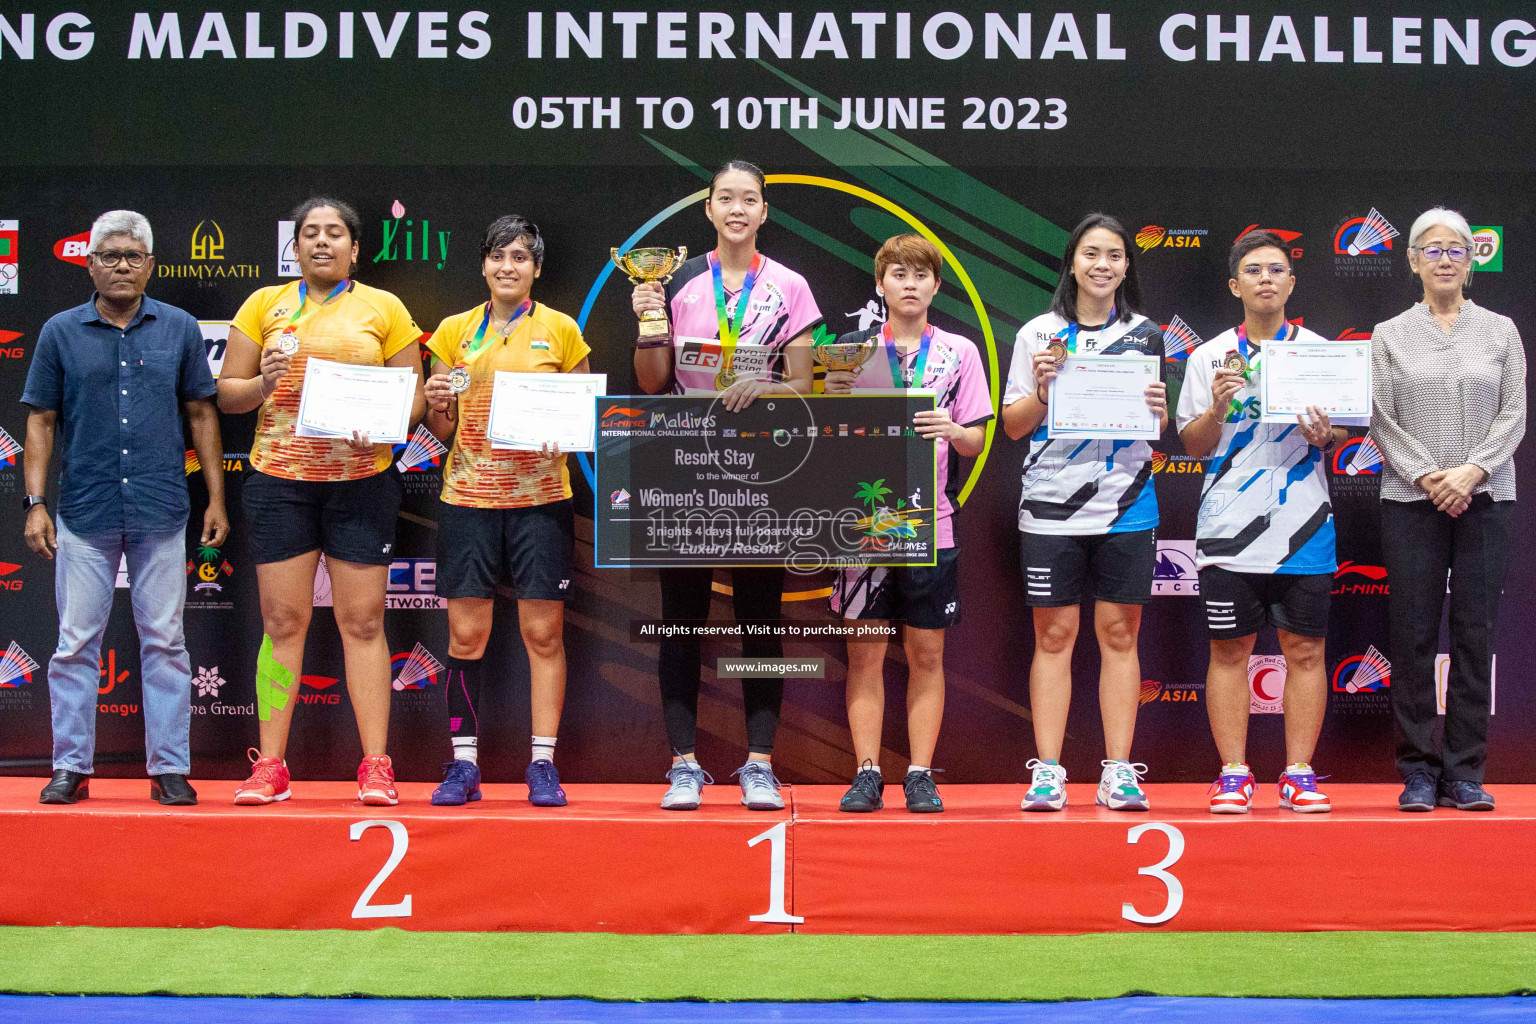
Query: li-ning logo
column 1287, row 237
column 620, row 416
column 1354, row 578
column 415, row 241
column 6, row 568
column 416, row 670
column 16, row 667
column 1363, row 673
column 209, row 244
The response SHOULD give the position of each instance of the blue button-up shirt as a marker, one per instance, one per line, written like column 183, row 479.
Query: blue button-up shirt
column 118, row 392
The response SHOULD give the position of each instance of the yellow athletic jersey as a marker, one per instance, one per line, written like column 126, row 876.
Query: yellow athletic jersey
column 363, row 326
column 476, row 475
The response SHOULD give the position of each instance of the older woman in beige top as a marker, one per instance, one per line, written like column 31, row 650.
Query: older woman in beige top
column 1449, row 381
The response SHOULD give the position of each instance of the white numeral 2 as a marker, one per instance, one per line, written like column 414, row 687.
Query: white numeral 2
column 778, row 839
column 1175, row 887
column 396, row 855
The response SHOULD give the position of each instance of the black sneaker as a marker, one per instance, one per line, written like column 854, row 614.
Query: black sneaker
column 1418, row 793
column 1464, row 795
column 922, row 794
column 865, row 794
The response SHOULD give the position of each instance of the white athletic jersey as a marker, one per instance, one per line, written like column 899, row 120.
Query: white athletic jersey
column 1264, row 508
column 1084, row 487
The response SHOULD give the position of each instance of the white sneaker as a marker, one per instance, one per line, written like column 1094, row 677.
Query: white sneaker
column 1047, row 787
column 1120, row 786
column 687, row 789
column 759, row 787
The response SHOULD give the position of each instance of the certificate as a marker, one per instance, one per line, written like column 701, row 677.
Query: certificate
column 339, row 398
column 1335, row 376
column 1104, row 397
column 529, row 410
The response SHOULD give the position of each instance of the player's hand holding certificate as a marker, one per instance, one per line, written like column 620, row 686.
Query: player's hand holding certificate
column 342, row 398
column 531, row 410
column 1104, row 397
column 1334, row 376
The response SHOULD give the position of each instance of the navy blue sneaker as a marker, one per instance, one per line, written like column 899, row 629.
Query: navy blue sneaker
column 1464, row 795
column 865, row 795
column 922, row 794
column 544, row 785
column 1418, row 793
column 461, row 784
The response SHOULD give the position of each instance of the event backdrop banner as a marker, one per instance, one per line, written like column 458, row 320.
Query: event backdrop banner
column 990, row 128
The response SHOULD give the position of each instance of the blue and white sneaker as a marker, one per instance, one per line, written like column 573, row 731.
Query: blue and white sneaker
column 1047, row 787
column 460, row 785
column 1120, row 786
column 759, row 787
column 687, row 789
column 544, row 784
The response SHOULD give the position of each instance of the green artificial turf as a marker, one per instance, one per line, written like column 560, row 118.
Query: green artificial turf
column 393, row 963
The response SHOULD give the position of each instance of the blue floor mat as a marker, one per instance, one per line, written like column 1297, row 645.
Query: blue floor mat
column 1140, row 1010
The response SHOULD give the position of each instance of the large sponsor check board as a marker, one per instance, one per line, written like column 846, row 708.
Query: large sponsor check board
column 825, row 481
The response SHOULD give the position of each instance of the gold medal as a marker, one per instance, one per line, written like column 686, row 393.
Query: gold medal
column 724, row 379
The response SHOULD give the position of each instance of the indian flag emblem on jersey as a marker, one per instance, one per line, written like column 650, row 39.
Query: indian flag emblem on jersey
column 540, row 344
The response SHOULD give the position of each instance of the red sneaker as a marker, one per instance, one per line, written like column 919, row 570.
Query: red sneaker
column 376, row 781
column 268, row 782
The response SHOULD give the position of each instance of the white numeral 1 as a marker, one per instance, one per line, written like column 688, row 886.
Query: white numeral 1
column 778, row 839
column 402, row 842
column 1175, row 887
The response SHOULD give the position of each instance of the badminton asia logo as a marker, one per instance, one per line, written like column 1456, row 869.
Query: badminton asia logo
column 416, row 670
column 1154, row 237
column 1362, row 246
column 1370, row 672
column 1154, row 692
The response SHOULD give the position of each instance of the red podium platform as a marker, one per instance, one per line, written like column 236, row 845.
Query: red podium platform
column 613, row 861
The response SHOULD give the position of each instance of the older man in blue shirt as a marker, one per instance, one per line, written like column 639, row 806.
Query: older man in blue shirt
column 112, row 378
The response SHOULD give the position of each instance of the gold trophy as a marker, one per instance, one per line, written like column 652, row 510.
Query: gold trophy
column 847, row 355
column 645, row 266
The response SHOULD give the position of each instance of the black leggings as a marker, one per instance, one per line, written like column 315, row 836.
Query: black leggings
column 686, row 594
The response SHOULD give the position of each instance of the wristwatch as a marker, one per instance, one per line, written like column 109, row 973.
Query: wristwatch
column 32, row 499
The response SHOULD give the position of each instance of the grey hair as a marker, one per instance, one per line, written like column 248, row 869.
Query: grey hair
column 1440, row 217
column 122, row 222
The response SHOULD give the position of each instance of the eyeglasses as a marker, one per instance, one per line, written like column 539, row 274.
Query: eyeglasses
column 110, row 258
column 1432, row 253
column 1253, row 271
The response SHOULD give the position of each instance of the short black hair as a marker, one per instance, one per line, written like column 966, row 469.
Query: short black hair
column 1251, row 242
column 742, row 166
column 510, row 228
column 345, row 211
column 1127, row 296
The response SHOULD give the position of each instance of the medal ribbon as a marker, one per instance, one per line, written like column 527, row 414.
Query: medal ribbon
column 730, row 331
column 478, row 345
column 898, row 378
column 1070, row 334
column 1287, row 332
column 292, row 326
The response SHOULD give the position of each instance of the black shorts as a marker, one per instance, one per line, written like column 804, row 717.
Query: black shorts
column 479, row 547
column 922, row 596
column 1056, row 567
column 348, row 520
column 1238, row 603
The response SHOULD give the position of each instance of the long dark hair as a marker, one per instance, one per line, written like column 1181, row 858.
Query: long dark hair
column 1127, row 296
column 745, row 168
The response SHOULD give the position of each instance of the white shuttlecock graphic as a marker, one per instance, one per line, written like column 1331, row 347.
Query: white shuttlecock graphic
column 9, row 446
column 1372, row 233
column 1366, row 458
column 419, row 664
column 1179, row 338
column 1373, row 668
column 15, row 663
column 424, row 447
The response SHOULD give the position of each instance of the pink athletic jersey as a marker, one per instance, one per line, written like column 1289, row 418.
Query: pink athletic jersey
column 780, row 309
column 955, row 375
